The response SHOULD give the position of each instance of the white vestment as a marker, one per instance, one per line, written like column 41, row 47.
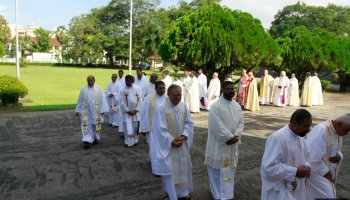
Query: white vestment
column 122, row 82
column 266, row 83
column 151, row 88
column 317, row 95
column 185, row 93
column 91, row 106
column 213, row 91
column 323, row 142
column 193, row 91
column 149, row 105
column 203, row 90
column 168, row 81
column 180, row 83
column 293, row 92
column 282, row 92
column 225, row 121
column 284, row 152
column 113, row 102
column 130, row 99
column 306, row 95
column 173, row 164
column 142, row 84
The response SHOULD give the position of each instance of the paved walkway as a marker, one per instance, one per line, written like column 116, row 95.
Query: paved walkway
column 42, row 157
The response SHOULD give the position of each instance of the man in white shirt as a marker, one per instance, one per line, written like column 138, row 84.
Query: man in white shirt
column 152, row 83
column 90, row 108
column 141, row 81
column 166, row 79
column 225, row 127
column 203, row 89
column 149, row 105
column 112, row 95
column 130, row 104
column 213, row 90
column 285, row 165
column 171, row 140
column 178, row 82
column 325, row 146
column 121, row 79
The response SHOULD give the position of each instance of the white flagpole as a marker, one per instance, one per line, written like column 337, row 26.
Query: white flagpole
column 17, row 46
column 130, row 45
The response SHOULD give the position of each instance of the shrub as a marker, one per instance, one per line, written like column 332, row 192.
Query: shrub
column 325, row 84
column 11, row 89
column 176, row 69
column 22, row 62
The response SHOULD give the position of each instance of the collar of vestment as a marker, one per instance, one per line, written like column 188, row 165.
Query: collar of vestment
column 291, row 132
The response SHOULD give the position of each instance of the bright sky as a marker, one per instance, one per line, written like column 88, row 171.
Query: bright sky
column 50, row 14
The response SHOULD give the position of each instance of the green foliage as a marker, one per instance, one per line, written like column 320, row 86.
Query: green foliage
column 325, row 84
column 175, row 68
column 42, row 41
column 11, row 89
column 318, row 50
column 2, row 50
column 22, row 62
column 332, row 18
column 219, row 39
column 5, row 32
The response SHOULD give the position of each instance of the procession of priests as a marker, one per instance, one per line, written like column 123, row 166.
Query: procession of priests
column 297, row 163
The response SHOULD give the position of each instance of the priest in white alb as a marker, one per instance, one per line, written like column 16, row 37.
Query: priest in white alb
column 282, row 91
column 225, row 127
column 306, row 94
column 171, row 139
column 325, row 145
column 193, row 90
column 266, row 85
column 203, row 89
column 186, row 86
column 130, row 104
column 178, row 82
column 284, row 166
column 293, row 91
column 152, row 83
column 213, row 90
column 317, row 94
column 166, row 78
column 121, row 79
column 90, row 108
column 151, row 102
column 112, row 95
column 141, row 81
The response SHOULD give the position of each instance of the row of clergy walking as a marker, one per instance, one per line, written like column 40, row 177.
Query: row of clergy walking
column 291, row 168
column 279, row 91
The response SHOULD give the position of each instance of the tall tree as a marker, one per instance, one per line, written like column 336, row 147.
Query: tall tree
column 5, row 32
column 332, row 18
column 220, row 40
column 42, row 41
column 304, row 50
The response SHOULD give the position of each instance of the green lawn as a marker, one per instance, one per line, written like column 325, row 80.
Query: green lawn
column 52, row 87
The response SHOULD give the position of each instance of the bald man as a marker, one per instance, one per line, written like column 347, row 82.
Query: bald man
column 325, row 144
column 213, row 90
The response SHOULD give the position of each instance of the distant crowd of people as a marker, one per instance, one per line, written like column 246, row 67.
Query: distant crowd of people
column 280, row 91
column 291, row 168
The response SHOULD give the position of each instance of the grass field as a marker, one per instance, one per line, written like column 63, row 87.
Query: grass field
column 52, row 87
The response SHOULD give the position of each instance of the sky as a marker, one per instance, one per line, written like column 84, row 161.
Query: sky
column 50, row 14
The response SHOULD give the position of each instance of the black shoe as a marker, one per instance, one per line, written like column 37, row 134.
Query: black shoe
column 122, row 136
column 86, row 145
column 95, row 141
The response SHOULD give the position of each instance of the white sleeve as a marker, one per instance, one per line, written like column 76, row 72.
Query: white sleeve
column 79, row 105
column 317, row 146
column 215, row 124
column 144, row 120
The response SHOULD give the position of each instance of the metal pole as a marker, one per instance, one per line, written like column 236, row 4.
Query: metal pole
column 17, row 46
column 130, row 45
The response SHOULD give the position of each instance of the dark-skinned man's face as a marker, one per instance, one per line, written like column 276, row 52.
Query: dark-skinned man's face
column 175, row 96
column 114, row 78
column 153, row 79
column 160, row 90
column 128, row 82
column 139, row 74
column 90, row 81
column 229, row 91
column 120, row 74
column 303, row 128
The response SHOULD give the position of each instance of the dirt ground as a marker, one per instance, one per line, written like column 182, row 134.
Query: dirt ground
column 41, row 157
